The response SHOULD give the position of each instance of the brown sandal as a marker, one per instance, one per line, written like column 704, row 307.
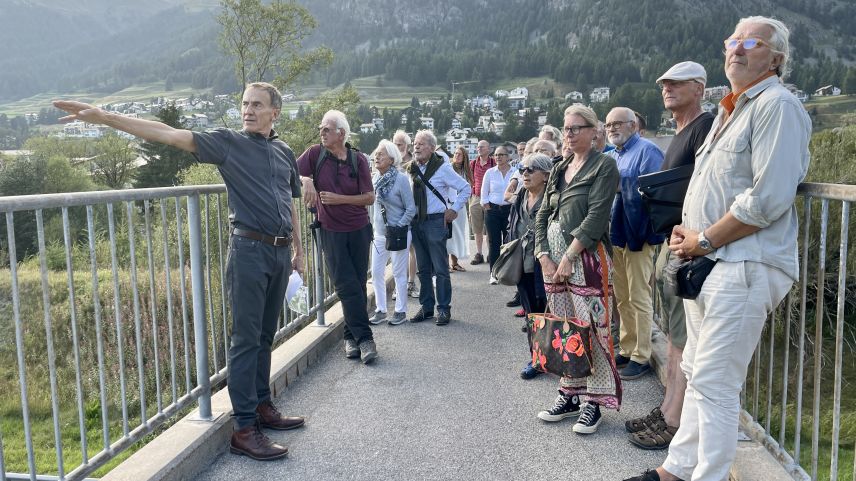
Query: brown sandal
column 657, row 437
column 645, row 422
column 459, row 268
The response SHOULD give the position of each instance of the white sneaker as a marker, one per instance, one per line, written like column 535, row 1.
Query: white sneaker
column 493, row 281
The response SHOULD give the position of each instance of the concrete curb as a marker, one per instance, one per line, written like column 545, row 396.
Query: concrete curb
column 188, row 446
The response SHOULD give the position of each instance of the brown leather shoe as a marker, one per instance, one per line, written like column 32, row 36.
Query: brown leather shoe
column 270, row 417
column 251, row 442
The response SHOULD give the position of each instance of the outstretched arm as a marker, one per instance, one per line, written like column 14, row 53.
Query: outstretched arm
column 146, row 129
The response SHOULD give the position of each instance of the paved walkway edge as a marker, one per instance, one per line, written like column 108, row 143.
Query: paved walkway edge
column 188, row 447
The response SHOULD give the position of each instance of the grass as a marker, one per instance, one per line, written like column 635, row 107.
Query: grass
column 830, row 112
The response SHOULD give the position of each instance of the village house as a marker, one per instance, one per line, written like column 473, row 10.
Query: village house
column 517, row 98
column 574, row 96
column 599, row 95
column 427, row 122
column 378, row 123
column 367, row 128
column 458, row 138
column 827, row 90
column 716, row 93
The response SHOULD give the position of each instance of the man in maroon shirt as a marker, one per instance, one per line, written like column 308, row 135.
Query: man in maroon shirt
column 479, row 166
column 341, row 193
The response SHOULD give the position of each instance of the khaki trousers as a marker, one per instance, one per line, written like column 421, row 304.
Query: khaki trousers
column 632, row 283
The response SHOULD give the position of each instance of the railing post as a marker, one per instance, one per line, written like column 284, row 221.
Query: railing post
column 198, row 293
column 319, row 279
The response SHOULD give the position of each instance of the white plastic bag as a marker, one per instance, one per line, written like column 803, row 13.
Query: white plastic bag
column 297, row 294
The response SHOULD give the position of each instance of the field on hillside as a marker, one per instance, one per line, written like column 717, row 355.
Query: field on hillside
column 830, row 112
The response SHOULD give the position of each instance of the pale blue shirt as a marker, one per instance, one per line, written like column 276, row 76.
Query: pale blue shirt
column 443, row 180
column 494, row 185
column 751, row 167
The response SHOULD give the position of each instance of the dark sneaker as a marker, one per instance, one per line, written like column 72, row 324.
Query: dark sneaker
column 352, row 351
column 646, row 476
column 368, row 350
column 377, row 318
column 443, row 318
column 658, row 436
column 564, row 407
column 422, row 316
column 640, row 424
column 589, row 420
column 529, row 372
column 634, row 370
column 515, row 301
column 398, row 318
column 621, row 361
column 477, row 259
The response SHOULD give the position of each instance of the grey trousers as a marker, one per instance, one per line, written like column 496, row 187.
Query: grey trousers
column 256, row 278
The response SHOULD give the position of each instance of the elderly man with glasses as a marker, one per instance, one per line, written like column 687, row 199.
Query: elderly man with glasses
column 633, row 242
column 336, row 181
column 739, row 212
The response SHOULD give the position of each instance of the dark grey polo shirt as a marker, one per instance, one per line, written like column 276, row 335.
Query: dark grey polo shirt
column 260, row 175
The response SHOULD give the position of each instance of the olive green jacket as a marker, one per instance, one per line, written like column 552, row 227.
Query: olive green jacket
column 583, row 208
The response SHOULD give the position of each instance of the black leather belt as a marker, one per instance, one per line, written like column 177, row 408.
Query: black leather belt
column 435, row 216
column 284, row 241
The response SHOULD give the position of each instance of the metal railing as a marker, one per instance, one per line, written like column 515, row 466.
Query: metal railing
column 114, row 320
column 797, row 380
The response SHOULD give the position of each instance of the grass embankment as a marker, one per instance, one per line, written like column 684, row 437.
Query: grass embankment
column 37, row 367
column 831, row 112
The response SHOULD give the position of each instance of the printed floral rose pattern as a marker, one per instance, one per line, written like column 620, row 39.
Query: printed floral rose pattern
column 568, row 352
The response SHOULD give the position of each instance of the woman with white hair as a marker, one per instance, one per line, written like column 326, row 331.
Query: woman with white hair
column 394, row 206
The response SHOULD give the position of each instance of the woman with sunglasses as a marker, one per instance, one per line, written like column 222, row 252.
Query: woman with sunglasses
column 535, row 170
column 572, row 244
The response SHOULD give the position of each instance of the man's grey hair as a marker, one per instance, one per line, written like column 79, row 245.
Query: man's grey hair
column 628, row 114
column 779, row 40
column 390, row 149
column 556, row 133
column 403, row 135
column 339, row 120
column 275, row 96
column 428, row 136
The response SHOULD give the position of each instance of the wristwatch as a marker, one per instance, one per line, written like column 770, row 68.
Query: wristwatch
column 704, row 243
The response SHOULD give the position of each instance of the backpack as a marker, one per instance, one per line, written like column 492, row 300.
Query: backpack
column 353, row 160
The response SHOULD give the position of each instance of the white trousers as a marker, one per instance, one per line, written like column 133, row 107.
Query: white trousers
column 724, row 325
column 399, row 272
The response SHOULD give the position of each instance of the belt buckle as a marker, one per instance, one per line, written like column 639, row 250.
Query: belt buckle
column 276, row 240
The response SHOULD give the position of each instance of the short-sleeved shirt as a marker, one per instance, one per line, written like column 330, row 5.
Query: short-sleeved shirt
column 685, row 143
column 479, row 171
column 260, row 175
column 336, row 176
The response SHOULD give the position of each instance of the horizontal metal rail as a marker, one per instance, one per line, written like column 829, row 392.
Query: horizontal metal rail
column 117, row 321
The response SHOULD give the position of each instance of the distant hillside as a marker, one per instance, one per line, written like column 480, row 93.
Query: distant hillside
column 107, row 45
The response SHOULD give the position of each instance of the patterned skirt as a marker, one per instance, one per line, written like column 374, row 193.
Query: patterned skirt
column 583, row 296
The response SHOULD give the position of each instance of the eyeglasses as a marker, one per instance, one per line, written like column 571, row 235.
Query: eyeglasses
column 528, row 170
column 617, row 124
column 500, row 155
column 327, row 130
column 575, row 129
column 748, row 43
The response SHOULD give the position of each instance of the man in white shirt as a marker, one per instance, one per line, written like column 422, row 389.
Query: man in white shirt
column 431, row 178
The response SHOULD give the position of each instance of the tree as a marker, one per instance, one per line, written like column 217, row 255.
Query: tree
column 113, row 162
column 163, row 162
column 266, row 40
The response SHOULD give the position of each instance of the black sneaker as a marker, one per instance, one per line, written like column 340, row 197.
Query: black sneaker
column 634, row 370
column 352, row 350
column 443, row 318
column 589, row 419
column 477, row 259
column 621, row 361
column 564, row 407
column 422, row 316
column 368, row 350
column 646, row 476
column 515, row 301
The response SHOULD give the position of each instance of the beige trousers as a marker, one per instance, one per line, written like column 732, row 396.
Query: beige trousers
column 632, row 283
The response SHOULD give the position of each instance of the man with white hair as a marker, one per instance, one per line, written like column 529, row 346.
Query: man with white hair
column 633, row 242
column 432, row 178
column 682, row 88
column 337, row 182
column 739, row 212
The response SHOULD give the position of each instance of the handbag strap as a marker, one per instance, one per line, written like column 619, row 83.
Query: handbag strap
column 604, row 282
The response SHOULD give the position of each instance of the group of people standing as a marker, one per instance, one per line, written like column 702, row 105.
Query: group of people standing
column 589, row 247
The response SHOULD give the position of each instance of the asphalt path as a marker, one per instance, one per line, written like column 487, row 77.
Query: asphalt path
column 444, row 403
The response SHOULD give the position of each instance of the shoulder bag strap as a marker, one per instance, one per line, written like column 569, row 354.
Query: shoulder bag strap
column 604, row 282
column 433, row 189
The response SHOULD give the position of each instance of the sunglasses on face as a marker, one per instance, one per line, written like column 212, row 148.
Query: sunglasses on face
column 528, row 170
column 748, row 43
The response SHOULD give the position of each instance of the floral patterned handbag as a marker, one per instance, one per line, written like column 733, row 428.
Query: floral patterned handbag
column 564, row 346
